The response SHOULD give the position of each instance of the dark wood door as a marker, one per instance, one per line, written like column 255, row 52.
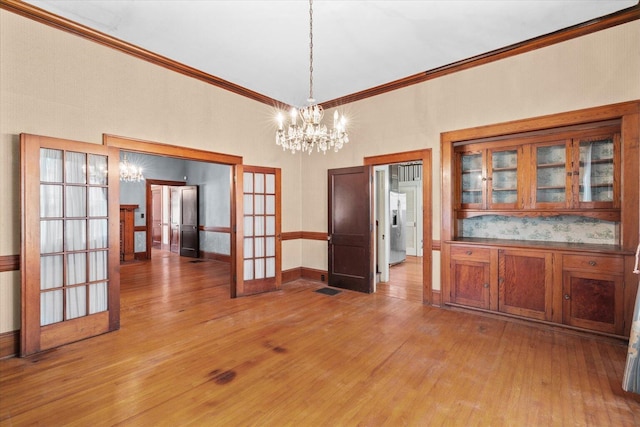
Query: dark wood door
column 350, row 229
column 156, row 217
column 174, row 228
column 189, row 241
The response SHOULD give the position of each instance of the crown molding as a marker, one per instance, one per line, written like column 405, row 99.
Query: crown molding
column 579, row 30
column 55, row 21
column 594, row 25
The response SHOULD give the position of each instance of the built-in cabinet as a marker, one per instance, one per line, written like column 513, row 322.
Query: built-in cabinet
column 564, row 166
column 578, row 289
column 574, row 171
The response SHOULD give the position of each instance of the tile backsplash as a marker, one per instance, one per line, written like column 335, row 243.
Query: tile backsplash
column 562, row 228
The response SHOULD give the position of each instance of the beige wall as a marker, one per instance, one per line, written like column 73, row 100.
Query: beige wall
column 598, row 69
column 56, row 84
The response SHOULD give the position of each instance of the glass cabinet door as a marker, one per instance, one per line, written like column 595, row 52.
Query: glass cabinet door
column 596, row 171
column 503, row 179
column 471, row 180
column 552, row 176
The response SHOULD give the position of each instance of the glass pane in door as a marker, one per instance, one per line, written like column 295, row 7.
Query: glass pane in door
column 259, row 225
column 596, row 170
column 504, row 176
column 551, row 184
column 73, row 255
column 471, row 174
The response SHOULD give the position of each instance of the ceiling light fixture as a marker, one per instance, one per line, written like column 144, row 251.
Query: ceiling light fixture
column 130, row 172
column 311, row 133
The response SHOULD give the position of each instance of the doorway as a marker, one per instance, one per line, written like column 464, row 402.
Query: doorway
column 398, row 216
column 413, row 278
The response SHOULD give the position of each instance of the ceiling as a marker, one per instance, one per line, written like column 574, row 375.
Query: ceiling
column 264, row 45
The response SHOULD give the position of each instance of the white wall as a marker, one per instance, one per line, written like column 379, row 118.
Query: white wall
column 56, row 84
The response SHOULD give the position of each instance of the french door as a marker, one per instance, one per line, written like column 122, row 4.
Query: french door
column 261, row 268
column 69, row 255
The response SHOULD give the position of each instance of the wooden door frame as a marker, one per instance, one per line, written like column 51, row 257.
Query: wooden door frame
column 240, row 288
column 427, row 222
column 155, row 148
column 149, row 201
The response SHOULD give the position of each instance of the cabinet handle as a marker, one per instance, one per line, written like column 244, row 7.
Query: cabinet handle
column 469, row 252
column 592, row 263
column 485, row 285
column 567, row 297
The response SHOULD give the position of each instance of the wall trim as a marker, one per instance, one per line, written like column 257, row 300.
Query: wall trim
column 598, row 24
column 55, row 21
column 215, row 229
column 215, row 256
column 304, row 273
column 60, row 23
column 9, row 344
column 9, row 263
column 291, row 235
column 436, row 298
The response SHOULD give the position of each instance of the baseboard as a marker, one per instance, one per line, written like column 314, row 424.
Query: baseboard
column 304, row 273
column 215, row 256
column 313, row 274
column 436, row 298
column 291, row 275
column 9, row 344
column 140, row 256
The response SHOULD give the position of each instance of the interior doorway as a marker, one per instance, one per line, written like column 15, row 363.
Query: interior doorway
column 162, row 235
column 404, row 271
column 398, row 217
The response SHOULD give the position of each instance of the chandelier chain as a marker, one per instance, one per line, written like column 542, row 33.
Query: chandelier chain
column 310, row 49
column 305, row 131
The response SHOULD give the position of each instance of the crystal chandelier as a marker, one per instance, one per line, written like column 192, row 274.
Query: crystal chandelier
column 130, row 172
column 310, row 133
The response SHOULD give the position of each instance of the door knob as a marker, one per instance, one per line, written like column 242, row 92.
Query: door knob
column 567, row 297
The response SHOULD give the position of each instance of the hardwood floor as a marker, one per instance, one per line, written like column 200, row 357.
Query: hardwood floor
column 405, row 280
column 188, row 355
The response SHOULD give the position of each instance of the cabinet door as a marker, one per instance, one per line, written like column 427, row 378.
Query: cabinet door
column 553, row 175
column 593, row 300
column 525, row 283
column 502, row 178
column 596, row 171
column 470, row 283
column 472, row 173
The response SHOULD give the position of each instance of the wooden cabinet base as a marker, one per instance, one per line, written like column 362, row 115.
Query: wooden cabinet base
column 571, row 287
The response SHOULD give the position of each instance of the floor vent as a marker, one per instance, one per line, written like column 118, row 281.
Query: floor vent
column 327, row 291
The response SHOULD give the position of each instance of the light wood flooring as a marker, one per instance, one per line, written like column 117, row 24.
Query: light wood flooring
column 405, row 280
column 186, row 354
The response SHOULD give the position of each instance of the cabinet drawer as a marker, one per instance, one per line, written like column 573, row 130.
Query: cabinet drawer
column 589, row 262
column 470, row 253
